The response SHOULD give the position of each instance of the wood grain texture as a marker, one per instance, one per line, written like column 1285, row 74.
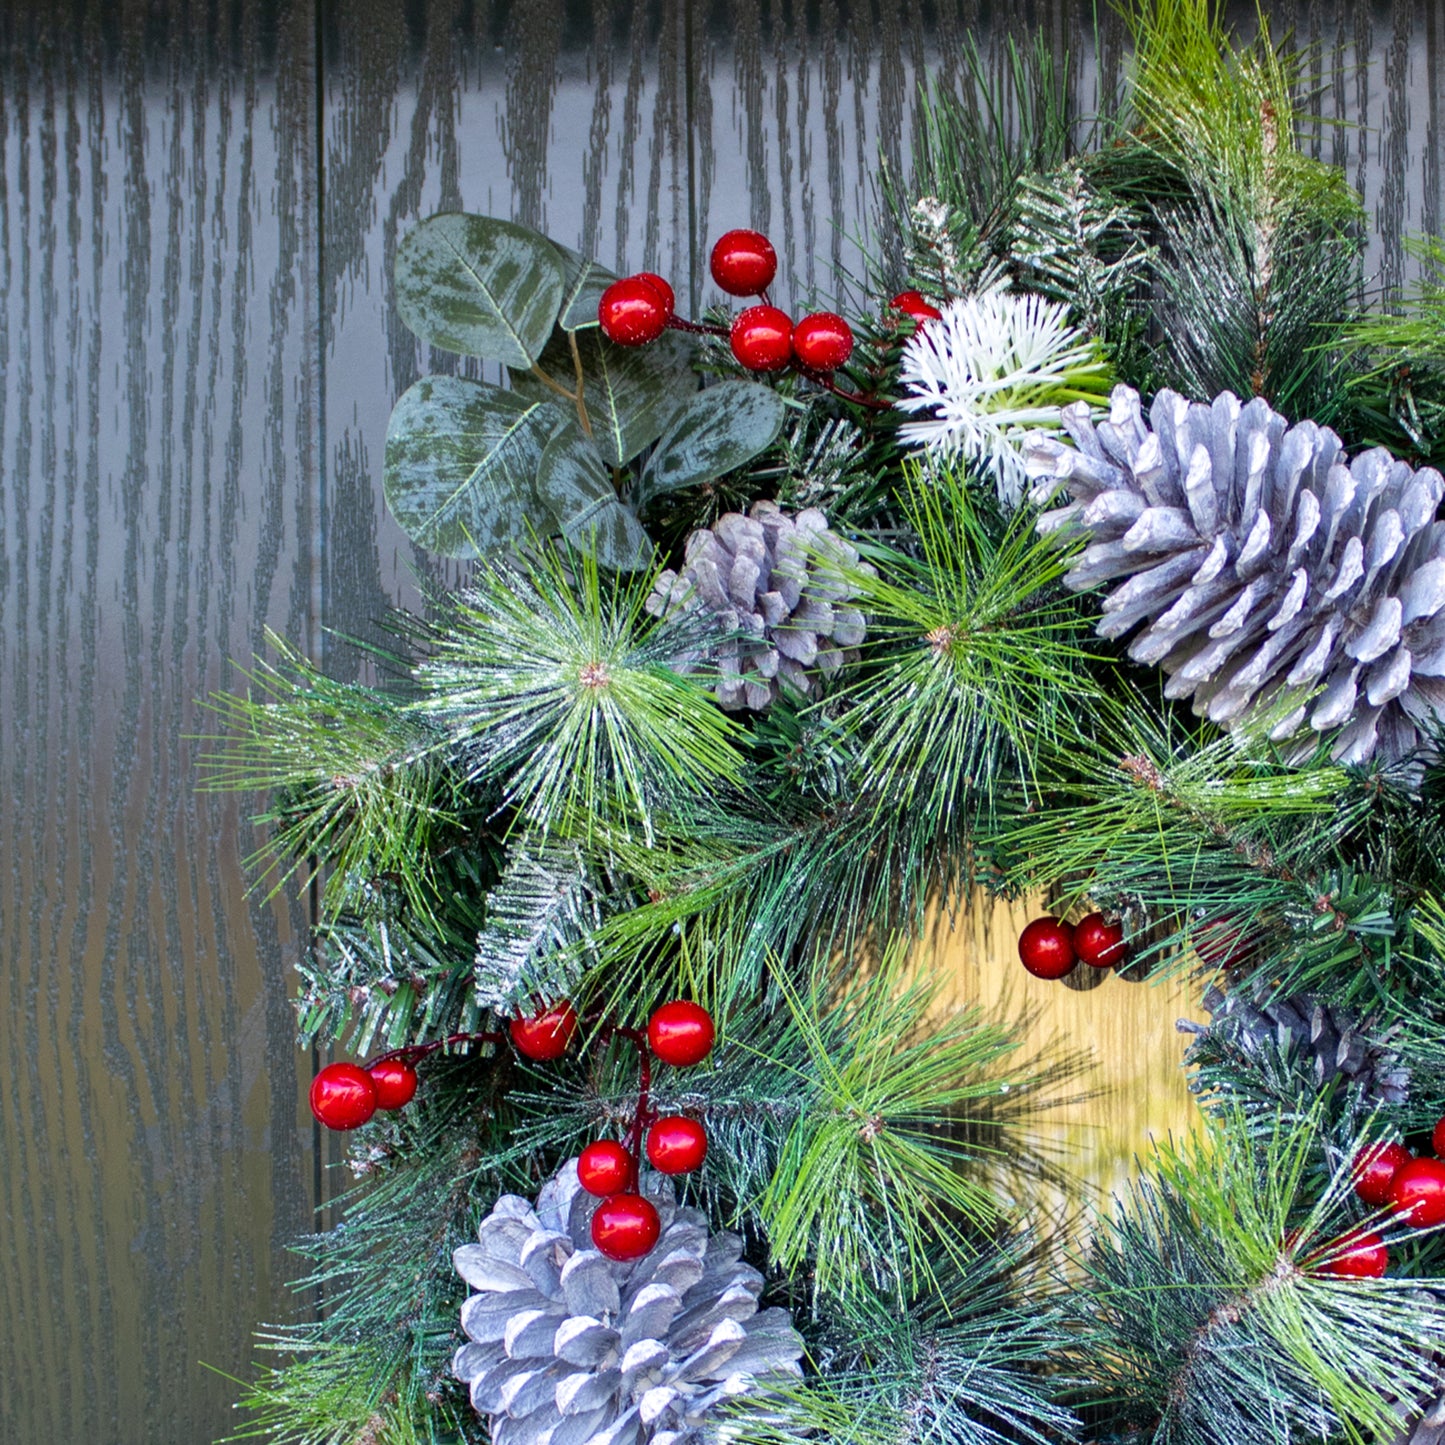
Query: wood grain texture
column 198, row 353
column 156, row 449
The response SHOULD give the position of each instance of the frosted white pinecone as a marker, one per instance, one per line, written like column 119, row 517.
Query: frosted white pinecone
column 778, row 585
column 1333, row 1038
column 571, row 1348
column 1262, row 568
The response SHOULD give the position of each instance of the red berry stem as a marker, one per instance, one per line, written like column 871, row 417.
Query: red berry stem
column 828, row 384
column 697, row 328
column 643, row 1117
column 410, row 1053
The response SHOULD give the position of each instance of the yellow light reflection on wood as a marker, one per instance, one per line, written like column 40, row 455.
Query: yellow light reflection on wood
column 1137, row 1084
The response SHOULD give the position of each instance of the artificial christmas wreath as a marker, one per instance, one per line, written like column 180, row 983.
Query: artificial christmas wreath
column 1100, row 564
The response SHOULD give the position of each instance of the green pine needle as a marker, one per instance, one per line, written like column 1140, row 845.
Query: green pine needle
column 360, row 795
column 981, row 656
column 559, row 685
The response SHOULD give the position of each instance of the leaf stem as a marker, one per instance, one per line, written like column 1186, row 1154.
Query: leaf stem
column 582, row 416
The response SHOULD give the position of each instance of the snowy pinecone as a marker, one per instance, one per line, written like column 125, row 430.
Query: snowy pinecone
column 1264, row 567
column 571, row 1348
column 779, row 585
column 1331, row 1039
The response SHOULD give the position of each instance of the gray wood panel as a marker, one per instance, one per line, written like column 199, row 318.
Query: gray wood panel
column 157, row 418
column 198, row 353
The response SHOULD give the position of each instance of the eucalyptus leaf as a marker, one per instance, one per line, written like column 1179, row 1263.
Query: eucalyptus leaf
column 631, row 392
column 574, row 484
column 716, row 430
column 461, row 464
column 583, row 282
column 479, row 286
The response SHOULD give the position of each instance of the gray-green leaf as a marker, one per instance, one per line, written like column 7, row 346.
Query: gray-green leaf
column 631, row 392
column 583, row 282
column 479, row 286
column 574, row 485
column 717, row 430
column 461, row 464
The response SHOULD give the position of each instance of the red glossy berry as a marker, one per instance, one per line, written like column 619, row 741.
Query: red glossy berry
column 1437, row 1139
column 762, row 338
column 744, row 263
column 1417, row 1193
column 343, row 1096
column 1374, row 1169
column 822, row 341
column 604, row 1168
column 1223, row 943
column 663, row 289
column 681, row 1033
column 1099, row 944
column 632, row 311
column 395, row 1083
column 676, row 1145
column 546, row 1036
column 913, row 303
column 625, row 1226
column 1360, row 1254
column 1046, row 948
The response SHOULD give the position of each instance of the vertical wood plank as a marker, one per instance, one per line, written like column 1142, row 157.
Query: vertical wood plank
column 156, row 450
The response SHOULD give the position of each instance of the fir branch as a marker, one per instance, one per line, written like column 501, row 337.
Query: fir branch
column 558, row 685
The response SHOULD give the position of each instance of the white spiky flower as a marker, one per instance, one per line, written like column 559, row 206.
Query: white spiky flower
column 992, row 369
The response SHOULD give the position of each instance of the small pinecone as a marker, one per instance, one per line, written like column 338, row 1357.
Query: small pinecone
column 571, row 1348
column 1305, row 1028
column 1261, row 565
column 777, row 584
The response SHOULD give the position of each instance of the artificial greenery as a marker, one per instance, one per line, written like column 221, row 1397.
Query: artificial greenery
column 538, row 798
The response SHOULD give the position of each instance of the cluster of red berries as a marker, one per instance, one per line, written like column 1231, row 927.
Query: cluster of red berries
column 1388, row 1176
column 345, row 1096
column 639, row 308
column 1049, row 948
column 626, row 1225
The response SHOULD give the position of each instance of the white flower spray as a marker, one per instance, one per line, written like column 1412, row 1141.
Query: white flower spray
column 992, row 369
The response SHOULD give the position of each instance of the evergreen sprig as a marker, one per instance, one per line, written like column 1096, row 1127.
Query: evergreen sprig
column 361, row 797
column 1212, row 1318
column 556, row 684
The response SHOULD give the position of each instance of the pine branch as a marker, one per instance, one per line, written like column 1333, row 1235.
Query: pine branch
column 1211, row 1317
column 559, row 687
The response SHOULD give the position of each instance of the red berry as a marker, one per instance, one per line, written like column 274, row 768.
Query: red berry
column 395, row 1082
column 912, row 303
column 625, row 1227
column 1374, row 1169
column 547, row 1036
column 1437, row 1139
column 1360, row 1254
column 663, row 289
column 632, row 311
column 343, row 1096
column 1418, row 1193
column 762, row 338
column 604, row 1168
column 1046, row 948
column 676, row 1145
column 1099, row 944
column 822, row 341
column 681, row 1033
column 744, row 263
column 1222, row 943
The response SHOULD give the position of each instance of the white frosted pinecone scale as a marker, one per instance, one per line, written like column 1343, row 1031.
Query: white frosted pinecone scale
column 778, row 587
column 568, row 1347
column 1265, row 571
